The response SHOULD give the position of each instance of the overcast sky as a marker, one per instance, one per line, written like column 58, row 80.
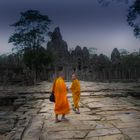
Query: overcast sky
column 82, row 22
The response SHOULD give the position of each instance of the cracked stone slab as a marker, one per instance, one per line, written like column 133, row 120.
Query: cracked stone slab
column 33, row 131
column 84, row 117
column 133, row 132
column 71, row 125
column 111, row 137
column 67, row 135
column 102, row 117
column 103, row 132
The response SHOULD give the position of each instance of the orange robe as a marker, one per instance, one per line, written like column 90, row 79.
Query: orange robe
column 61, row 100
column 75, row 88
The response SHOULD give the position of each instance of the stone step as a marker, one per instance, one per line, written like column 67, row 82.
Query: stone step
column 34, row 129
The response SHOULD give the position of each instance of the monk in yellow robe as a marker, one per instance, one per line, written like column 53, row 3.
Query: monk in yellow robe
column 61, row 100
column 75, row 88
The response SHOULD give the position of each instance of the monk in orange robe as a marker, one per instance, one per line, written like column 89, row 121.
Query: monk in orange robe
column 61, row 100
column 75, row 88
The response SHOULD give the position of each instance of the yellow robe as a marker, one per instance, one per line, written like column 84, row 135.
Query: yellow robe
column 61, row 100
column 75, row 88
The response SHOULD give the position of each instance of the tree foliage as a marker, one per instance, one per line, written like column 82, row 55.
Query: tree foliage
column 37, row 59
column 30, row 33
column 30, row 30
column 133, row 17
column 108, row 2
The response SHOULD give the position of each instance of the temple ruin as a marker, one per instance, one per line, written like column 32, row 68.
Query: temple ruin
column 87, row 67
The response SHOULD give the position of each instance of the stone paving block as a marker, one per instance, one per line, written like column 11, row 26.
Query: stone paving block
column 103, row 117
column 84, row 117
column 111, row 137
column 134, row 124
column 66, row 135
column 2, row 137
column 18, row 133
column 33, row 131
column 103, row 132
column 71, row 125
column 134, row 136
column 132, row 132
column 6, row 125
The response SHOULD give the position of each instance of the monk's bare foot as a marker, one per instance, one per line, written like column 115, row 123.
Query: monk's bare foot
column 77, row 112
column 57, row 121
column 64, row 119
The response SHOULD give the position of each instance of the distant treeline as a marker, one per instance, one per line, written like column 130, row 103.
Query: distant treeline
column 16, row 68
column 121, row 66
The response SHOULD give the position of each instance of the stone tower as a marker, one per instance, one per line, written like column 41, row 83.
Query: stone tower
column 58, row 47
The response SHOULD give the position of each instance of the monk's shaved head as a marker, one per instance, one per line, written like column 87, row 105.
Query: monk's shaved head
column 61, row 74
column 73, row 76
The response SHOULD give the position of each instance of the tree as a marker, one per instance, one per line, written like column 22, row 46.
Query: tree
column 30, row 30
column 37, row 59
column 123, row 52
column 133, row 18
column 108, row 2
column 131, row 65
column 92, row 51
column 30, row 33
